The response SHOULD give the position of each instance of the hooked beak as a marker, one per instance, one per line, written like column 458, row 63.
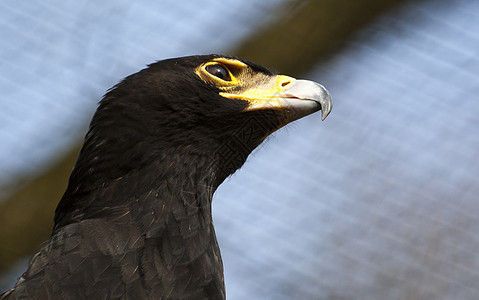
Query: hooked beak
column 297, row 98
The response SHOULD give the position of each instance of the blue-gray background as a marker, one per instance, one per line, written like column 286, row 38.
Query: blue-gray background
column 377, row 202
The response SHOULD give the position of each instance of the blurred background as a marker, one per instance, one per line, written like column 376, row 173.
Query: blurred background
column 379, row 201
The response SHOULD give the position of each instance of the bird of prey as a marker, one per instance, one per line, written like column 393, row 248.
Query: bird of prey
column 135, row 221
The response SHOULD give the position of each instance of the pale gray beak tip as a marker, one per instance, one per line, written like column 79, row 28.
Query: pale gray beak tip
column 324, row 98
column 326, row 105
column 312, row 91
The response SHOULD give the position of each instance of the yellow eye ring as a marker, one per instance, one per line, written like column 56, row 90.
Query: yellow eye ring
column 218, row 71
column 208, row 72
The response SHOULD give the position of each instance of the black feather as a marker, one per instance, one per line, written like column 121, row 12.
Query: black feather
column 135, row 221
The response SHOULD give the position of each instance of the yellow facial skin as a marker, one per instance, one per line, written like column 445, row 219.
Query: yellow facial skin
column 297, row 97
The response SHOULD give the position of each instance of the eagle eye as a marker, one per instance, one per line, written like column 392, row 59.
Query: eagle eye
column 219, row 71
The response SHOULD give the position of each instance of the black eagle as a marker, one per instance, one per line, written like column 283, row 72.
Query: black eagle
column 135, row 221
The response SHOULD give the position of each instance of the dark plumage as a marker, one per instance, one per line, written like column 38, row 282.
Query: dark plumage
column 135, row 221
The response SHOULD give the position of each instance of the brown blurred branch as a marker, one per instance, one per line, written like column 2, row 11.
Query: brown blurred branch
column 26, row 218
column 306, row 31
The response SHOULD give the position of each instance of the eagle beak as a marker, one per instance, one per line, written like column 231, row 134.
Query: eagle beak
column 296, row 98
column 306, row 97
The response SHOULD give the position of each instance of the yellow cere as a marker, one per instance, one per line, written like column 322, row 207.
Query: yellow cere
column 265, row 91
